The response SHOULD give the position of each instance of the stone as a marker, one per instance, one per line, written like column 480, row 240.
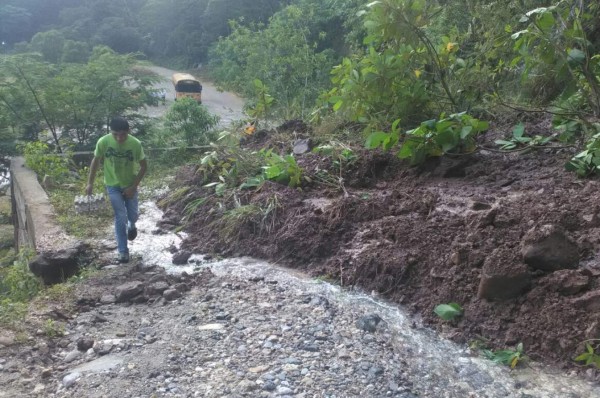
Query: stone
column 6, row 341
column 548, row 248
column 70, row 379
column 71, row 356
column 108, row 299
column 501, row 278
column 128, row 290
column 84, row 344
column 301, row 146
column 368, row 323
column 156, row 288
column 171, row 294
column 181, row 257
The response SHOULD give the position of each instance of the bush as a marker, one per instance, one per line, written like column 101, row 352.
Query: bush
column 189, row 122
column 40, row 158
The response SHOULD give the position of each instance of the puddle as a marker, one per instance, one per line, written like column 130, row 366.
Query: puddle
column 445, row 368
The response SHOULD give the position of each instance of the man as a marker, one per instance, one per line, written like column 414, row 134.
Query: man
column 120, row 153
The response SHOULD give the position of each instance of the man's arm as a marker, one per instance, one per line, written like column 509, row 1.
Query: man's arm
column 130, row 191
column 93, row 169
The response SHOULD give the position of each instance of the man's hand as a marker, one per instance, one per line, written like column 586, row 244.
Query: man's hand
column 129, row 192
column 89, row 189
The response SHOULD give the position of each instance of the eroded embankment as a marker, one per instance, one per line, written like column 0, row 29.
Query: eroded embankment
column 480, row 230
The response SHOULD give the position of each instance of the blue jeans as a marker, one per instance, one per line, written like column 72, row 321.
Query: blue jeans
column 126, row 214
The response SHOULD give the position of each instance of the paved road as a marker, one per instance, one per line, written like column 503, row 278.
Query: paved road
column 225, row 104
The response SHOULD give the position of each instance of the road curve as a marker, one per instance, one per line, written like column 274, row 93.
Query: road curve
column 228, row 106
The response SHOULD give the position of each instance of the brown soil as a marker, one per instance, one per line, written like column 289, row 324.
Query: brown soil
column 423, row 236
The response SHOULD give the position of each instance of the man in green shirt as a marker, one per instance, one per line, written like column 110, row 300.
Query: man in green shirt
column 121, row 153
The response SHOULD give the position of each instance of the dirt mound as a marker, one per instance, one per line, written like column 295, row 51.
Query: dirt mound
column 455, row 230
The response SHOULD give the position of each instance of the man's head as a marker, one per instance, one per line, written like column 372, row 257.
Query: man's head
column 119, row 128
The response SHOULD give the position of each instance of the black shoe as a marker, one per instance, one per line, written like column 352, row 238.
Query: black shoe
column 123, row 258
column 132, row 233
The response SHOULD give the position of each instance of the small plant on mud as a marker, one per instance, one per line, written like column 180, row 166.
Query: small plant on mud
column 448, row 312
column 587, row 162
column 281, row 169
column 53, row 328
column 191, row 208
column 227, row 163
column 174, row 196
column 342, row 155
column 507, row 357
column 519, row 139
column 454, row 134
column 589, row 357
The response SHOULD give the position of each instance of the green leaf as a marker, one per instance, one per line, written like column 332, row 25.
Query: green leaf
column 446, row 140
column 430, row 124
column 518, row 34
column 518, row 130
column 540, row 10
column 576, row 57
column 582, row 357
column 371, row 25
column 465, row 132
column 252, row 182
column 405, row 151
column 448, row 311
column 545, row 21
column 377, row 139
column 338, row 105
column 272, row 172
column 443, row 125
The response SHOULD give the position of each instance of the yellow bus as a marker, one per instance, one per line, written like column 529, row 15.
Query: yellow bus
column 187, row 85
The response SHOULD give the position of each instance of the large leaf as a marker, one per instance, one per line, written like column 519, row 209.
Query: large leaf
column 576, row 57
column 446, row 140
column 377, row 139
column 519, row 130
column 448, row 311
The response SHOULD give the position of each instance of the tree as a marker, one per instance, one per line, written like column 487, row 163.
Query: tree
column 75, row 52
column 50, row 44
column 281, row 55
column 116, row 33
column 73, row 102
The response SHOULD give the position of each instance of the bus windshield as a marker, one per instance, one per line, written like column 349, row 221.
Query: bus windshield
column 187, row 85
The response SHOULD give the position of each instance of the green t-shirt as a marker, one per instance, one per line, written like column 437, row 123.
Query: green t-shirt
column 119, row 159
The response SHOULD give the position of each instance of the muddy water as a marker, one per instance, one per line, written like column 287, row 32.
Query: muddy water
column 442, row 368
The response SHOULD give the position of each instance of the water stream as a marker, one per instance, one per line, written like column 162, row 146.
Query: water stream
column 448, row 369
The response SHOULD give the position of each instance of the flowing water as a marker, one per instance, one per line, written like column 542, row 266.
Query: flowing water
column 449, row 369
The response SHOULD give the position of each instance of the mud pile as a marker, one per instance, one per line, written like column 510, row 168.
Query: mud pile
column 511, row 237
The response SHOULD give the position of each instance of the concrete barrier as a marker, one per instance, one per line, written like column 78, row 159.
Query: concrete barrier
column 57, row 253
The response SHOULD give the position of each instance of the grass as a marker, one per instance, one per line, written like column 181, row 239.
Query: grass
column 230, row 224
column 82, row 226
